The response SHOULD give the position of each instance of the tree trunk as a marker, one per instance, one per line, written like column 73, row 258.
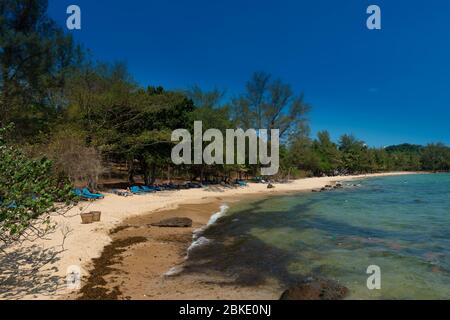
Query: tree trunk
column 153, row 174
column 130, row 167
column 168, row 173
column 202, row 170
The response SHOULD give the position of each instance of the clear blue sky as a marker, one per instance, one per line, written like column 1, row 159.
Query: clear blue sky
column 386, row 87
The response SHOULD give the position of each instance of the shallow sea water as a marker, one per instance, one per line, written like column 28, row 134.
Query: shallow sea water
column 399, row 223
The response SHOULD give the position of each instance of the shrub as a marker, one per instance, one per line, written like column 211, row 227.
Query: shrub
column 28, row 193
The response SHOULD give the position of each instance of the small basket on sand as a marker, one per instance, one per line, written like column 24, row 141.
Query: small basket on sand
column 87, row 218
column 96, row 215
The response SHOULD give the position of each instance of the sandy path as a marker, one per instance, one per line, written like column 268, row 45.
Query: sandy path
column 37, row 273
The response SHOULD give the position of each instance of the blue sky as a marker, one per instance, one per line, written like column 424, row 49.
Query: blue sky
column 386, row 86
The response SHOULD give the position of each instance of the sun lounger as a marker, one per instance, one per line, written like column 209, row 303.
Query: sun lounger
column 137, row 190
column 241, row 183
column 121, row 193
column 86, row 194
column 91, row 195
column 80, row 194
column 149, row 189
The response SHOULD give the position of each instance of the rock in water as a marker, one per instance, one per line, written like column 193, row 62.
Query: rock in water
column 315, row 289
column 174, row 223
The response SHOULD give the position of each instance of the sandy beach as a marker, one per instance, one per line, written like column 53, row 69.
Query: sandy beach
column 135, row 257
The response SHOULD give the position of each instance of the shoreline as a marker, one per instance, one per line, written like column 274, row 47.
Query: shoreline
column 85, row 245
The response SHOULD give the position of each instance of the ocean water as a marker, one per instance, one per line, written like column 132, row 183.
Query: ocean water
column 400, row 224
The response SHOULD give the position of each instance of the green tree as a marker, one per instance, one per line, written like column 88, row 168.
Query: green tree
column 269, row 104
column 354, row 155
column 213, row 114
column 35, row 58
column 28, row 192
column 327, row 153
column 436, row 157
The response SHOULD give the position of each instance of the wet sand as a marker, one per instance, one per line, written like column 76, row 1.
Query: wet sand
column 136, row 265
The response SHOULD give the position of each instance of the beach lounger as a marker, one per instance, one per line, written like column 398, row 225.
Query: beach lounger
column 121, row 193
column 79, row 194
column 150, row 189
column 137, row 190
column 85, row 196
column 91, row 195
column 193, row 185
column 171, row 186
column 242, row 183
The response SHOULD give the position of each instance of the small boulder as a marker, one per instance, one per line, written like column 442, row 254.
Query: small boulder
column 316, row 289
column 173, row 223
column 270, row 186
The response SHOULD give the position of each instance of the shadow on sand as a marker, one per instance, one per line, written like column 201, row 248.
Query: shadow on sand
column 19, row 276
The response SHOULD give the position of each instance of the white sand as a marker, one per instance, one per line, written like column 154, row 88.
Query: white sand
column 35, row 277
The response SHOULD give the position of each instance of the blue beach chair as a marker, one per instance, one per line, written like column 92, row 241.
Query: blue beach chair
column 86, row 195
column 137, row 190
column 150, row 189
column 91, row 195
column 79, row 193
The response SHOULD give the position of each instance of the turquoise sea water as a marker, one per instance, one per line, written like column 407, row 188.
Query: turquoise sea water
column 399, row 223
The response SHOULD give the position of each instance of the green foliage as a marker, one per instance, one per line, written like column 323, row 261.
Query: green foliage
column 436, row 157
column 28, row 189
column 327, row 153
column 35, row 60
column 271, row 104
column 352, row 156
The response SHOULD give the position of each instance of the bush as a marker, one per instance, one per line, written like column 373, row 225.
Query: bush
column 72, row 158
column 28, row 193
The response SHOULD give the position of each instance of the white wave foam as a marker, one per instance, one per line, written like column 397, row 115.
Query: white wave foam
column 216, row 216
column 223, row 210
column 198, row 243
column 199, row 240
column 173, row 271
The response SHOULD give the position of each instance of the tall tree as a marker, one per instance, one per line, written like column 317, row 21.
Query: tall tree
column 35, row 56
column 436, row 157
column 327, row 153
column 269, row 104
column 353, row 153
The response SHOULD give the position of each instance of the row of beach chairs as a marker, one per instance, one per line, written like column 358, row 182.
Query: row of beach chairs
column 86, row 194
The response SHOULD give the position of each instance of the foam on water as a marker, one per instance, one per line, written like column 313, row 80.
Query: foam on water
column 200, row 240
column 223, row 210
